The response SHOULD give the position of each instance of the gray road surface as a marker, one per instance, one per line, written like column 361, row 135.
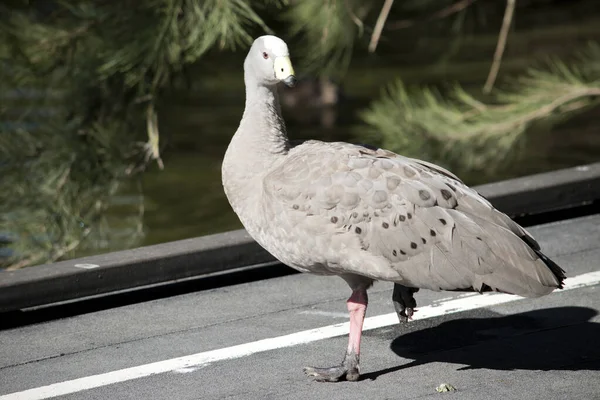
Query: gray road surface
column 545, row 348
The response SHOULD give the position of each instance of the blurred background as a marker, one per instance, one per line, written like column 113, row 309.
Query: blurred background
column 114, row 116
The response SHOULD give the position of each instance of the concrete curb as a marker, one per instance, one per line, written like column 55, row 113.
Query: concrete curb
column 225, row 252
column 534, row 194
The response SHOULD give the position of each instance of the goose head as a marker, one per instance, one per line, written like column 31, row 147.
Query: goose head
column 268, row 62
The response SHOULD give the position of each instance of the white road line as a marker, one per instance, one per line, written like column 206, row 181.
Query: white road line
column 331, row 314
column 198, row 360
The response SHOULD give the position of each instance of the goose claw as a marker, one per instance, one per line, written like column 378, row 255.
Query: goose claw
column 404, row 302
column 348, row 370
column 332, row 374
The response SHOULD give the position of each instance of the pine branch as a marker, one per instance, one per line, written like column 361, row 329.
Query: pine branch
column 100, row 68
column 461, row 130
column 329, row 29
column 443, row 13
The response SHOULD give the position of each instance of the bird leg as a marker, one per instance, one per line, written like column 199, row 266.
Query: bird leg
column 349, row 368
column 404, row 302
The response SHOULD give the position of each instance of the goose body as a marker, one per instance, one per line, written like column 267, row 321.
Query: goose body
column 367, row 214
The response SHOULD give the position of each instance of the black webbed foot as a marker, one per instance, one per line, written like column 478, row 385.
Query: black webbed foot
column 404, row 301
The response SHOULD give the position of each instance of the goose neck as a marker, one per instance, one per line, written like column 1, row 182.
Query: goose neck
column 262, row 122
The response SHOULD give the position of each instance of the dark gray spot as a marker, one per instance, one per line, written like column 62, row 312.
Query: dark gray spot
column 446, row 194
column 432, row 232
column 451, row 187
column 354, row 214
column 478, row 238
column 409, row 215
column 395, row 253
column 357, row 230
column 402, row 218
column 402, row 252
column 443, row 221
column 385, row 225
column 424, row 195
column 424, row 240
column 296, row 206
column 334, row 219
column 413, row 245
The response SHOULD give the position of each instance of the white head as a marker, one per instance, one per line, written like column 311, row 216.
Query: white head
column 268, row 61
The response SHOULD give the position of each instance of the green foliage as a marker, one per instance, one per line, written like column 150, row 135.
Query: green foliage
column 97, row 71
column 460, row 130
column 81, row 83
column 328, row 29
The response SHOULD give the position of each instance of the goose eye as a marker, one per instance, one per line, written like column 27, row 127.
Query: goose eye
column 265, row 55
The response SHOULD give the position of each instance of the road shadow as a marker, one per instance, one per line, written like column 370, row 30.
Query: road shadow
column 561, row 338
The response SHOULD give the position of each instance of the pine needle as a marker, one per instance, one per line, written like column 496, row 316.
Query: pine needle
column 460, row 130
column 329, row 29
column 86, row 81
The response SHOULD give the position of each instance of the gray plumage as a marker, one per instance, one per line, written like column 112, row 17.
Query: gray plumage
column 369, row 214
column 337, row 208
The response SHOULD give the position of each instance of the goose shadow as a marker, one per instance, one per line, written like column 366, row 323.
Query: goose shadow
column 561, row 338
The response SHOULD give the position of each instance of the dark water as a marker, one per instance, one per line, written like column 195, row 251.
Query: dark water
column 186, row 199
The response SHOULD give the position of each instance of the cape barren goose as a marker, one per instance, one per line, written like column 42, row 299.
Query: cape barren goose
column 365, row 214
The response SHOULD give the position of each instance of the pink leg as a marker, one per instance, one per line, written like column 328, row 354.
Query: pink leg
column 349, row 368
column 357, row 307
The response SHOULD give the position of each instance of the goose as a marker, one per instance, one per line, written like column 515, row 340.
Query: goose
column 366, row 214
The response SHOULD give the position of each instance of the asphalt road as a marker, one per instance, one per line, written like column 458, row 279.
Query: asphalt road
column 546, row 348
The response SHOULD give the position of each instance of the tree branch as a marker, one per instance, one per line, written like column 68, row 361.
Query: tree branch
column 508, row 16
column 385, row 11
column 546, row 110
column 443, row 13
column 354, row 18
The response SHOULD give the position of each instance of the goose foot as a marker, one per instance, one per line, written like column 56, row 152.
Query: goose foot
column 404, row 301
column 348, row 370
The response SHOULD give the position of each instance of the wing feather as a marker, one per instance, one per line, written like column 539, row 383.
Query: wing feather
column 404, row 220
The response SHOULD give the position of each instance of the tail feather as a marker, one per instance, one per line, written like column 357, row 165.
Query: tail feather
column 514, row 262
column 558, row 272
